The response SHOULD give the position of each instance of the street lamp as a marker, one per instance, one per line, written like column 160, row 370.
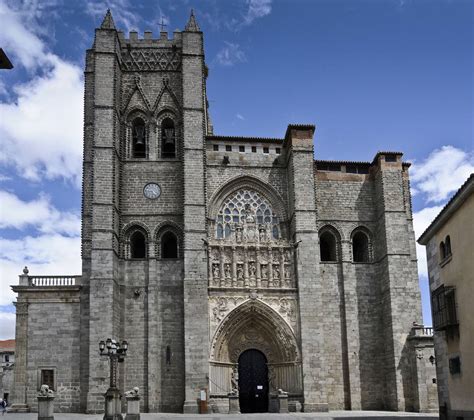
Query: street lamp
column 116, row 352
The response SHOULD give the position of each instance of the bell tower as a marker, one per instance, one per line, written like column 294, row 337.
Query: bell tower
column 143, row 213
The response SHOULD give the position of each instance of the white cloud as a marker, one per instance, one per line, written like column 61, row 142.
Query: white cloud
column 421, row 220
column 7, row 325
column 41, row 129
column 230, row 54
column 39, row 213
column 442, row 173
column 19, row 41
column 45, row 254
column 240, row 117
column 124, row 13
column 257, row 9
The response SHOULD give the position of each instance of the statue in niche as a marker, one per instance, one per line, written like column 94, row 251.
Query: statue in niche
column 216, row 255
column 287, row 256
column 227, row 270
column 238, row 234
column 240, row 272
column 276, row 271
column 249, row 218
column 252, row 269
column 287, row 272
column 216, row 272
column 262, row 235
column 264, row 270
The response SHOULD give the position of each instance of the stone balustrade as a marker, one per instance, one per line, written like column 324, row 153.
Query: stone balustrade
column 48, row 281
column 421, row 331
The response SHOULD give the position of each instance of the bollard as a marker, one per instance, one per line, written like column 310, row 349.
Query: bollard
column 45, row 403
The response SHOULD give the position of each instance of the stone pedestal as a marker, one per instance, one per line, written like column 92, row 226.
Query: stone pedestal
column 234, row 406
column 133, row 408
column 112, row 405
column 278, row 403
column 45, row 407
column 283, row 403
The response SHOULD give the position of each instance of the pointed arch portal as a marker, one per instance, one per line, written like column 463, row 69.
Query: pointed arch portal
column 254, row 326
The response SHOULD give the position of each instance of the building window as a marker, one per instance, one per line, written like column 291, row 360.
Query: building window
column 138, row 138
column 442, row 251
column 265, row 150
column 360, row 247
column 137, row 245
column 254, row 149
column 447, row 246
column 7, row 358
column 241, row 148
column 455, row 365
column 47, row 378
column 328, row 246
column 278, row 150
column 443, row 304
column 215, row 147
column 169, row 245
column 228, row 148
column 168, row 138
column 168, row 355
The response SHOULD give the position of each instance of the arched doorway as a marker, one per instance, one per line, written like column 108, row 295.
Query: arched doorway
column 253, row 382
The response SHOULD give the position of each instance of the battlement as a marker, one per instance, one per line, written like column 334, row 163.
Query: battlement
column 164, row 41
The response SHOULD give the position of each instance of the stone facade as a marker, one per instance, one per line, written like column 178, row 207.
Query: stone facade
column 197, row 248
column 449, row 241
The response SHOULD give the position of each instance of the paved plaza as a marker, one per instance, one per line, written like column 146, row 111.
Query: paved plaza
column 373, row 415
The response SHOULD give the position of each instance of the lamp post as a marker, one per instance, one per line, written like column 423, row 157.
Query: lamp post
column 116, row 352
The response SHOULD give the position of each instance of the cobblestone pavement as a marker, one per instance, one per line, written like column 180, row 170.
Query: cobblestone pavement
column 342, row 415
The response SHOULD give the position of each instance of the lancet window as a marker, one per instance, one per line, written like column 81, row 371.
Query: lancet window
column 247, row 207
column 168, row 138
column 138, row 138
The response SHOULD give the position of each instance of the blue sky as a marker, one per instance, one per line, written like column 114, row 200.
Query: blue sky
column 372, row 75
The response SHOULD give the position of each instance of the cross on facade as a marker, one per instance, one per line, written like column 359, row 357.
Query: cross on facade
column 162, row 25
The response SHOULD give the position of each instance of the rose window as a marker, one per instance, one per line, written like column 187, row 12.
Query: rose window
column 246, row 207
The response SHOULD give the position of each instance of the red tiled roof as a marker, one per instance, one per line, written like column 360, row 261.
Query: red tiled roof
column 7, row 345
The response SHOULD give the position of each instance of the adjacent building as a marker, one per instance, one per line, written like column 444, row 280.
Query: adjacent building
column 7, row 359
column 228, row 263
column 449, row 242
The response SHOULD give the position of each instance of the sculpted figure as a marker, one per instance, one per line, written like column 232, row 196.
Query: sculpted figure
column 264, row 271
column 252, row 269
column 227, row 270
column 133, row 392
column 216, row 272
column 238, row 234
column 45, row 391
column 276, row 271
column 240, row 272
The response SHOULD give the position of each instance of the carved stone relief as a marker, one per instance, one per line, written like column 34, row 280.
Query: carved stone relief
column 250, row 266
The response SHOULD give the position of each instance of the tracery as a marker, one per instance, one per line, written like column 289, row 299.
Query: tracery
column 247, row 207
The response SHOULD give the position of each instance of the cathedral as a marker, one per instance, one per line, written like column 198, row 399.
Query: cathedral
column 232, row 266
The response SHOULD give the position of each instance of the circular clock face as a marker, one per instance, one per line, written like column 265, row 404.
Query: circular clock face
column 152, row 191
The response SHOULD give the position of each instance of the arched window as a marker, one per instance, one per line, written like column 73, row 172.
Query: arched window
column 360, row 247
column 138, row 138
column 168, row 138
column 137, row 245
column 328, row 246
column 448, row 246
column 442, row 251
column 169, row 245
